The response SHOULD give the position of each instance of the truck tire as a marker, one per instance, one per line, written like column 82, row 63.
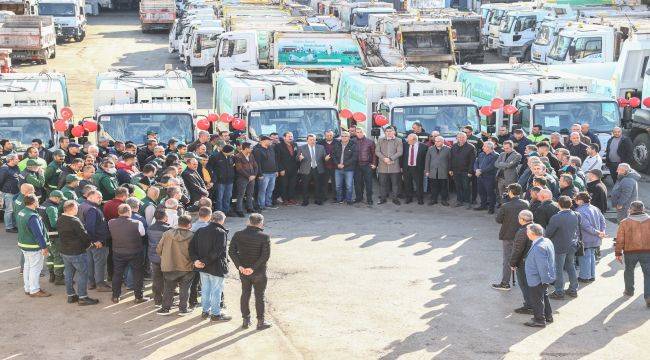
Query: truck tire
column 53, row 53
column 641, row 154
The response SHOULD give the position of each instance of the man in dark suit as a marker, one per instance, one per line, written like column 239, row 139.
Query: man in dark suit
column 508, row 217
column 619, row 149
column 563, row 231
column 413, row 161
column 546, row 208
column 286, row 155
column 193, row 181
column 312, row 167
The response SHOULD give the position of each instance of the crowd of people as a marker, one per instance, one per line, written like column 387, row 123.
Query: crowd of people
column 122, row 212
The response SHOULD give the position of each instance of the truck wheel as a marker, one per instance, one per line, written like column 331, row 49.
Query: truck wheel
column 526, row 57
column 641, row 158
column 53, row 53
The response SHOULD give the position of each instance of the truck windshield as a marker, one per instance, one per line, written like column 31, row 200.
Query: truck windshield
column 560, row 48
column 415, row 43
column 134, row 127
column 448, row 119
column 56, row 9
column 543, row 36
column 300, row 122
column 360, row 19
column 601, row 116
column 21, row 131
column 506, row 25
column 497, row 15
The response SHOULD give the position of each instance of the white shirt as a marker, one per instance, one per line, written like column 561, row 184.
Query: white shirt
column 415, row 154
column 592, row 162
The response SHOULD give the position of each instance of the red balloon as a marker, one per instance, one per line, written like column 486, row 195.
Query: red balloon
column 345, row 114
column 622, row 102
column 359, row 117
column 78, row 131
column 61, row 125
column 90, row 125
column 381, row 120
column 66, row 113
column 646, row 102
column 634, row 102
column 486, row 110
column 225, row 117
column 203, row 124
column 212, row 117
column 509, row 109
column 238, row 124
column 497, row 103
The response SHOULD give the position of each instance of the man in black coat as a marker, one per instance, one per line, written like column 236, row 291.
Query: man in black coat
column 287, row 159
column 597, row 189
column 193, row 181
column 250, row 250
column 546, row 209
column 520, row 248
column 222, row 169
column 413, row 162
column 208, row 253
column 344, row 157
column 620, row 149
column 508, row 217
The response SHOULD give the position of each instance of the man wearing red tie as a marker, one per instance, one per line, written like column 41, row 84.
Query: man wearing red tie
column 413, row 168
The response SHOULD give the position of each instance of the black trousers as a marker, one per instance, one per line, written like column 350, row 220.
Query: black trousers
column 389, row 185
column 439, row 187
column 318, row 188
column 257, row 282
column 474, row 184
column 363, row 181
column 120, row 263
column 181, row 278
column 157, row 283
column 194, row 288
column 330, row 178
column 541, row 305
column 413, row 176
column 487, row 191
column 287, row 185
column 612, row 170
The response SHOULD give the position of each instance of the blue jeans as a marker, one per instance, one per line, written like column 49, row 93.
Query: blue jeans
column 223, row 197
column 97, row 265
column 76, row 264
column 587, row 264
column 265, row 187
column 344, row 177
column 8, row 200
column 211, row 288
column 565, row 262
column 630, row 263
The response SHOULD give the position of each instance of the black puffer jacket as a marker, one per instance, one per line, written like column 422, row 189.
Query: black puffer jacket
column 208, row 245
column 222, row 168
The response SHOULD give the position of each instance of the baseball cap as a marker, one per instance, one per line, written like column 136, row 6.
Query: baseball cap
column 74, row 145
column 71, row 178
column 56, row 194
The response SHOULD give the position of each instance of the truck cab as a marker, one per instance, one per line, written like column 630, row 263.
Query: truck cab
column 360, row 16
column 21, row 124
column 179, row 25
column 584, row 43
column 499, row 15
column 446, row 114
column 302, row 117
column 517, row 33
column 69, row 18
column 202, row 50
column 185, row 41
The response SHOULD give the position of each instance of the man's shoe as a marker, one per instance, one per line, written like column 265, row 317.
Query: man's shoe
column 350, row 203
column 628, row 293
column 240, row 214
column 92, row 286
column 432, row 202
column 490, row 211
column 12, row 230
column 263, row 325
column 115, row 300
column 370, row 202
column 104, row 288
column 249, row 211
column 583, row 280
column 318, row 202
column 52, row 277
column 220, row 318
column 272, row 207
column 444, row 203
column 458, row 204
column 381, row 201
column 163, row 312
column 40, row 293
column 549, row 320
column 501, row 286
column 468, row 206
column 59, row 280
column 524, row 310
column 87, row 301
column 139, row 300
column 480, row 208
column 408, row 201
column 247, row 323
column 358, row 200
column 205, row 315
column 592, row 280
column 72, row 299
column 305, row 203
column 396, row 202
column 534, row 323
column 183, row 312
column 556, row 296
column 573, row 294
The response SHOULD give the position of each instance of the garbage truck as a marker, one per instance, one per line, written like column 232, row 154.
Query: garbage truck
column 69, row 18
column 29, row 37
column 130, row 103
column 157, row 14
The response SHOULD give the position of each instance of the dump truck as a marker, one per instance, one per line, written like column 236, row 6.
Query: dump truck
column 157, row 14
column 130, row 103
column 69, row 18
column 30, row 37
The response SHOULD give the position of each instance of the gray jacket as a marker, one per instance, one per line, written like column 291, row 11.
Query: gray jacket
column 508, row 168
column 305, row 164
column 562, row 229
column 437, row 162
column 391, row 149
column 625, row 190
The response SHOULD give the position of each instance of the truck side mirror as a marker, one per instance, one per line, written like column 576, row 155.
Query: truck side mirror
column 572, row 51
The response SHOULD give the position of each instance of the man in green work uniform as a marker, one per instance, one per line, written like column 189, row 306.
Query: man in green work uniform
column 106, row 180
column 49, row 212
column 70, row 188
column 53, row 170
column 33, row 174
column 32, row 241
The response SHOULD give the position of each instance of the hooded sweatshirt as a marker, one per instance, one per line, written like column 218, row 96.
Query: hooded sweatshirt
column 173, row 250
column 632, row 235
